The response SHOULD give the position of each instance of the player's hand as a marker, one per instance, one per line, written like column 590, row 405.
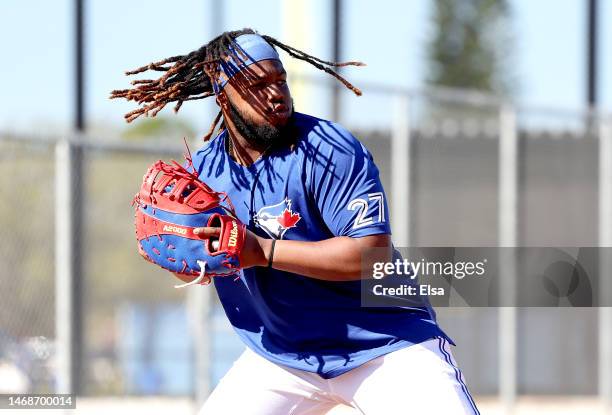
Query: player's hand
column 255, row 251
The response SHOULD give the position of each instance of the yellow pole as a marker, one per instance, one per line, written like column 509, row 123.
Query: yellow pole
column 297, row 32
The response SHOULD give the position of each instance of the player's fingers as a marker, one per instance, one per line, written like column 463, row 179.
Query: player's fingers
column 207, row 232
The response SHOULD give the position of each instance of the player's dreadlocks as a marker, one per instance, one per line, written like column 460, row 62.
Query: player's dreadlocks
column 190, row 77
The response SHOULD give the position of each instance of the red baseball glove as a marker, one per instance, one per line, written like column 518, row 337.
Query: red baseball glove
column 171, row 203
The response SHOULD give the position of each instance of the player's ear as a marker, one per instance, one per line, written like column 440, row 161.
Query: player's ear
column 221, row 99
column 223, row 103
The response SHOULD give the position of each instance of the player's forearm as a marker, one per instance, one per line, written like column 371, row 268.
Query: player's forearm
column 335, row 259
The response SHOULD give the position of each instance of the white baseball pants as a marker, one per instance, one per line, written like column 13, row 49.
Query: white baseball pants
column 420, row 379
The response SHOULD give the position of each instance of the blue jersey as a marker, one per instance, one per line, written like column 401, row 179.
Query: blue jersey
column 324, row 185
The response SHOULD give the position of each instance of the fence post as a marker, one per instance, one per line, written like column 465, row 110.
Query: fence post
column 400, row 171
column 199, row 301
column 64, row 270
column 507, row 214
column 605, row 265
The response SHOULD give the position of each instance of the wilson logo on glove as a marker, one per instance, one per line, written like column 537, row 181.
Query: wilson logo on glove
column 233, row 239
column 171, row 203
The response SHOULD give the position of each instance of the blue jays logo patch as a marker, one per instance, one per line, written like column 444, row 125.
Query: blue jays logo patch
column 277, row 219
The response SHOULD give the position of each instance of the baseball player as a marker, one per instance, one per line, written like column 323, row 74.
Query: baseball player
column 311, row 198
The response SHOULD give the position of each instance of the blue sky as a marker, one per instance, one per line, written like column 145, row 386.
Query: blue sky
column 390, row 35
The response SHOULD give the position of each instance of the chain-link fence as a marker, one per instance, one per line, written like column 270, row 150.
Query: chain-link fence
column 27, row 270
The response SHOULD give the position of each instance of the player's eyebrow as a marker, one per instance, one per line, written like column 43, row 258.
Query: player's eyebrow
column 257, row 78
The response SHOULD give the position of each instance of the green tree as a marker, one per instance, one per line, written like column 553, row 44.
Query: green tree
column 159, row 127
column 471, row 45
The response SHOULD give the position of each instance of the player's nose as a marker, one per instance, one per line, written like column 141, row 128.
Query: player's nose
column 275, row 94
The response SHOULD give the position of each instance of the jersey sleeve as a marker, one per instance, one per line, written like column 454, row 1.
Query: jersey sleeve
column 345, row 185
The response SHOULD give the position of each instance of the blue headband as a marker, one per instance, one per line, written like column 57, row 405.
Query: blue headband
column 245, row 50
